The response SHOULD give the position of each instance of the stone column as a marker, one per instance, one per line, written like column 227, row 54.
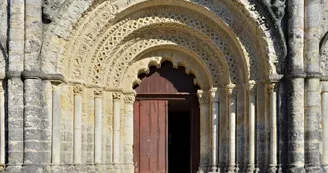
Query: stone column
column 296, row 86
column 215, row 126
column 117, row 126
column 78, row 89
column 324, row 112
column 232, row 128
column 205, row 153
column 251, row 127
column 2, row 125
column 273, row 161
column 56, row 101
column 312, row 85
column 128, row 131
column 312, row 122
column 15, row 84
column 296, row 125
column 98, row 125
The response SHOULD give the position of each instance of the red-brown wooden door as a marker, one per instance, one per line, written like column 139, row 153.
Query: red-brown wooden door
column 150, row 136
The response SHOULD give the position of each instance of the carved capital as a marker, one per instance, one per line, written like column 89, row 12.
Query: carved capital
column 78, row 89
column 1, row 86
column 215, row 95
column 272, row 87
column 203, row 97
column 230, row 90
column 117, row 96
column 56, row 86
column 251, row 88
column 129, row 98
column 98, row 92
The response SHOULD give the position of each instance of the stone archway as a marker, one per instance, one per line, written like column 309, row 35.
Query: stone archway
column 113, row 42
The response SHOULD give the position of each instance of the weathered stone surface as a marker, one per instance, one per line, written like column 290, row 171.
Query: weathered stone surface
column 96, row 50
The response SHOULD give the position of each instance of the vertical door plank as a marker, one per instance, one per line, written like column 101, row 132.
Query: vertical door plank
column 154, row 135
column 150, row 151
column 144, row 136
column 162, row 134
column 136, row 137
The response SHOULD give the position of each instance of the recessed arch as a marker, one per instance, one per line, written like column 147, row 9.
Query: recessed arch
column 173, row 76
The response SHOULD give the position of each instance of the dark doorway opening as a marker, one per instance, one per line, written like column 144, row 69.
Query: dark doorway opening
column 166, row 122
column 179, row 142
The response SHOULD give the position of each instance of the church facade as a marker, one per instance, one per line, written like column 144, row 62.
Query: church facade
column 164, row 86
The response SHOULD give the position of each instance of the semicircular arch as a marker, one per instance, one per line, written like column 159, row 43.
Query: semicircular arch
column 249, row 42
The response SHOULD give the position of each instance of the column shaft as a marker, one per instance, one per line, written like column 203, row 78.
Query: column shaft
column 98, row 128
column 215, row 123
column 251, row 129
column 296, row 84
column 273, row 128
column 204, row 131
column 2, row 125
column 232, row 130
column 117, row 127
column 78, row 125
column 312, row 129
column 56, row 92
column 324, row 112
column 296, row 126
column 128, row 132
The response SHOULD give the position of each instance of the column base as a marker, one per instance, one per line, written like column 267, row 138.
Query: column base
column 273, row 169
column 203, row 168
column 13, row 168
column 215, row 169
column 200, row 170
column 296, row 170
column 325, row 168
column 313, row 169
column 231, row 169
column 250, row 168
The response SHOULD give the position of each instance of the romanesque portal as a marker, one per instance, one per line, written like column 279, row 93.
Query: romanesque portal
column 154, row 86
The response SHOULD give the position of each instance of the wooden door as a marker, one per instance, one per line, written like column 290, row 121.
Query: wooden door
column 150, row 149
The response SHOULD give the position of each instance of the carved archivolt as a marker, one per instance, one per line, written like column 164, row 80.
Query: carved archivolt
column 112, row 35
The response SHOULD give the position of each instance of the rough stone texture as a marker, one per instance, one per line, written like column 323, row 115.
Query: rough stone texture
column 105, row 45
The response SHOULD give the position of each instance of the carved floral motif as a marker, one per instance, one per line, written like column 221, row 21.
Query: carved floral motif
column 77, row 89
column 129, row 98
column 98, row 92
column 117, row 96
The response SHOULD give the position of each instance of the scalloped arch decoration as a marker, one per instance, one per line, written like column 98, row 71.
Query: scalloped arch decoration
column 177, row 58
